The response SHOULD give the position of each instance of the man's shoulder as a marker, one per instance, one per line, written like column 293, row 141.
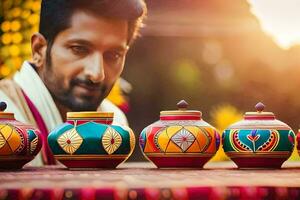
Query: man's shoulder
column 8, row 83
column 10, row 88
column 12, row 94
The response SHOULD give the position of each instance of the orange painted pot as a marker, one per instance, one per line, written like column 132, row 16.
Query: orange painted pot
column 181, row 138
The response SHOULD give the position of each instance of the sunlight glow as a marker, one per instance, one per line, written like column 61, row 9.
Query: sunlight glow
column 280, row 19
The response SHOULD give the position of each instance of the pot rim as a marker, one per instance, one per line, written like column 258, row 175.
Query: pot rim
column 89, row 115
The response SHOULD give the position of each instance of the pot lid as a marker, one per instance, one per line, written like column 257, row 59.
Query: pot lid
column 259, row 120
column 90, row 115
column 5, row 115
column 259, row 114
column 181, row 114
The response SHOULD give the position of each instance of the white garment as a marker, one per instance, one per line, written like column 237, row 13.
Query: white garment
column 34, row 88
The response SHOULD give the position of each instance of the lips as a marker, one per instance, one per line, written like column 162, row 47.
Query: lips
column 87, row 90
column 92, row 88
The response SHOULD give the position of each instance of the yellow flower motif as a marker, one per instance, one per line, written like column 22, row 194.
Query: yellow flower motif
column 36, row 6
column 6, row 38
column 33, row 19
column 5, row 70
column 14, row 50
column 25, row 14
column 16, row 12
column 17, row 38
column 21, row 20
column 17, row 61
column 5, row 26
column 15, row 25
column 4, row 52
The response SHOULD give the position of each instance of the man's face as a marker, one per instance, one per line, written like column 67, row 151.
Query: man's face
column 86, row 60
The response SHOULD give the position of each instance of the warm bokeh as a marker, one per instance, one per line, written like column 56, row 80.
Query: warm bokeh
column 221, row 56
column 19, row 19
column 222, row 116
column 279, row 19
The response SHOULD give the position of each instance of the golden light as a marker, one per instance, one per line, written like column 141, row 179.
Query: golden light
column 279, row 19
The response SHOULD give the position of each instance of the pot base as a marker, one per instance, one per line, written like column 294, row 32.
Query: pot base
column 91, row 161
column 179, row 161
column 13, row 163
column 263, row 163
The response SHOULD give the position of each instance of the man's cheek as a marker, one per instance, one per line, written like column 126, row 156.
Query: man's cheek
column 66, row 84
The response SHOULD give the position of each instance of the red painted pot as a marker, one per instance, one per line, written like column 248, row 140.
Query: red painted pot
column 180, row 139
column 19, row 142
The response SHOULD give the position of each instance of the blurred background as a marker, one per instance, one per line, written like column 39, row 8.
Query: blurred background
column 222, row 57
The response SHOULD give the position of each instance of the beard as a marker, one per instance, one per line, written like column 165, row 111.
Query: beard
column 78, row 102
column 81, row 102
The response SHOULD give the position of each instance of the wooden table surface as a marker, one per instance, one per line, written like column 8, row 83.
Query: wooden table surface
column 146, row 175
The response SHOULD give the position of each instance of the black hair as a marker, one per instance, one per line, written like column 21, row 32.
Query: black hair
column 56, row 15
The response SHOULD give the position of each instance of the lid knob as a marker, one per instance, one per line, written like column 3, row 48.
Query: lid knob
column 182, row 105
column 260, row 107
column 3, row 106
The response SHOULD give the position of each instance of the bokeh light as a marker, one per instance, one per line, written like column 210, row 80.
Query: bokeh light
column 223, row 116
column 280, row 19
column 20, row 20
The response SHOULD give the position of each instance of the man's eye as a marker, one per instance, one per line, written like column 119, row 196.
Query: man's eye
column 112, row 56
column 79, row 50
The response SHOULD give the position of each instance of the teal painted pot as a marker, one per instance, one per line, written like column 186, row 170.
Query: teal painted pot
column 89, row 140
column 258, row 141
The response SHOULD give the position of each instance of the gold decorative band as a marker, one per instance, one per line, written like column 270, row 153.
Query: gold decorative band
column 179, row 112
column 261, row 127
column 6, row 115
column 259, row 114
column 88, row 115
column 277, row 154
column 180, row 154
column 89, row 157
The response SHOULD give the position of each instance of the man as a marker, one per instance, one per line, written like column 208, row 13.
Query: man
column 78, row 55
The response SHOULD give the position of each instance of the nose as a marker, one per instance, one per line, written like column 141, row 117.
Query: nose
column 94, row 68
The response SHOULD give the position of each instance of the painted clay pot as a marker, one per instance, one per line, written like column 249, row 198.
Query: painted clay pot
column 258, row 141
column 89, row 140
column 181, row 138
column 19, row 142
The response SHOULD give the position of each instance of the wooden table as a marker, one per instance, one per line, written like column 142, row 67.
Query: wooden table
column 218, row 180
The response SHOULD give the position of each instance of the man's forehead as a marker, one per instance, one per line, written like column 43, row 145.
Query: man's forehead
column 90, row 28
